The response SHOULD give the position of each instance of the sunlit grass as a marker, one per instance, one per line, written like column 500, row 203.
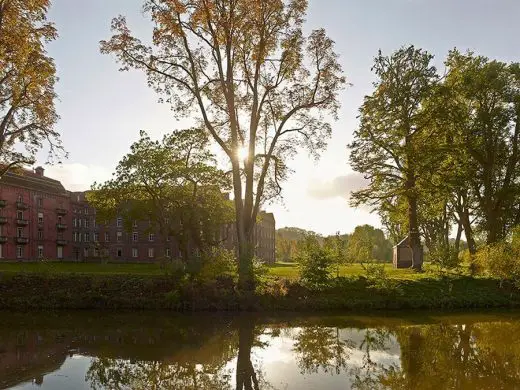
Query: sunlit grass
column 281, row 270
column 291, row 271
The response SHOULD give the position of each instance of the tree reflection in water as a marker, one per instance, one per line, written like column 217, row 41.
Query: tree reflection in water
column 321, row 348
column 236, row 354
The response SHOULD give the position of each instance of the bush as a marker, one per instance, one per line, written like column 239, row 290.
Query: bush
column 445, row 257
column 215, row 263
column 501, row 260
column 315, row 263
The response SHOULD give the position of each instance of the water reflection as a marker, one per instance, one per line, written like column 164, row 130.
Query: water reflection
column 158, row 351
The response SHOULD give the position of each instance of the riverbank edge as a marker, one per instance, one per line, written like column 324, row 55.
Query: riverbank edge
column 30, row 291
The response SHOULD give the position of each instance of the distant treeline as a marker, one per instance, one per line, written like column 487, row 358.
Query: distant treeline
column 365, row 243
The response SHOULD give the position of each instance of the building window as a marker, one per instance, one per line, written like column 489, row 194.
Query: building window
column 150, row 253
column 75, row 236
column 40, row 202
column 40, row 251
column 119, row 236
column 19, row 214
column 79, row 237
column 119, row 222
column 20, row 198
column 119, row 252
column 167, row 238
column 135, row 223
column 79, row 222
column 86, row 210
column 168, row 252
column 75, row 222
column 135, row 237
column 19, row 252
column 85, row 252
column 60, row 219
column 87, row 237
column 135, row 252
column 40, row 234
column 96, row 237
column 96, row 252
column 87, row 223
column 107, row 237
column 19, row 232
column 151, row 237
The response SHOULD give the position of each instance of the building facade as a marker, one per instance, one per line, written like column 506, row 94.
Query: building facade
column 40, row 219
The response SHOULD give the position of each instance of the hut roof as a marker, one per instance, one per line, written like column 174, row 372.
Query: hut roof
column 403, row 243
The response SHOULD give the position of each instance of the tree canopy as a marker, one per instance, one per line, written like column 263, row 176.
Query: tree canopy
column 27, row 79
column 174, row 184
column 257, row 83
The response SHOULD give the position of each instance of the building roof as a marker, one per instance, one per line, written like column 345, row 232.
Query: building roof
column 27, row 179
column 403, row 243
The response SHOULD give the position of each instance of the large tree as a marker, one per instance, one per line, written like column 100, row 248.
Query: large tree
column 258, row 84
column 395, row 125
column 485, row 119
column 27, row 78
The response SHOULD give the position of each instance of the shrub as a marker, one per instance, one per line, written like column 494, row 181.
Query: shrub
column 500, row 260
column 216, row 263
column 315, row 263
column 445, row 257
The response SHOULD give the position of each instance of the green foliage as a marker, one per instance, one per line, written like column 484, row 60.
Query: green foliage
column 337, row 247
column 500, row 260
column 215, row 263
column 315, row 263
column 445, row 257
column 368, row 244
column 287, row 240
column 174, row 184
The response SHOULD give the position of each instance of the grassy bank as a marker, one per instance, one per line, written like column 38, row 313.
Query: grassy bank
column 114, row 286
column 278, row 270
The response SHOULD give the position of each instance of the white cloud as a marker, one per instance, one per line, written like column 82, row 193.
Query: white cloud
column 340, row 186
column 76, row 176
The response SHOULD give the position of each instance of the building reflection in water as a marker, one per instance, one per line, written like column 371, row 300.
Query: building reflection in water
column 148, row 351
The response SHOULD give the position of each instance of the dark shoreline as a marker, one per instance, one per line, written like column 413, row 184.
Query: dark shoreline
column 31, row 291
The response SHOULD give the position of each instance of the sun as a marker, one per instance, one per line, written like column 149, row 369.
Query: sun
column 243, row 153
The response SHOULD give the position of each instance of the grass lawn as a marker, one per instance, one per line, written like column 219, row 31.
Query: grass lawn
column 282, row 270
column 291, row 271
column 83, row 268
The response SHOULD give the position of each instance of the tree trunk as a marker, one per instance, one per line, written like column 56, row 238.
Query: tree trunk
column 457, row 238
column 464, row 218
column 245, row 376
column 415, row 239
column 246, row 280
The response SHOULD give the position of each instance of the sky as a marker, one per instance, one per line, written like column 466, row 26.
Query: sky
column 102, row 110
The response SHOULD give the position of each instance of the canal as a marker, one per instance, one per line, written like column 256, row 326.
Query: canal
column 160, row 350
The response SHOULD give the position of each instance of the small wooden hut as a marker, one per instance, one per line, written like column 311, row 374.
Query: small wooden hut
column 404, row 253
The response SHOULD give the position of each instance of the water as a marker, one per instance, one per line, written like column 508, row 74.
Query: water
column 164, row 351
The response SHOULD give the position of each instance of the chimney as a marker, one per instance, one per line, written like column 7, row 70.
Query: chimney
column 39, row 170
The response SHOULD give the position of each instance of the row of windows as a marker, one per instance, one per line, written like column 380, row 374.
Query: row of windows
column 20, row 251
column 77, row 222
column 119, row 252
column 39, row 201
column 78, row 211
column 78, row 237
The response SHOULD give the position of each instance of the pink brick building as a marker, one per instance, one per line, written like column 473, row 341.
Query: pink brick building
column 40, row 219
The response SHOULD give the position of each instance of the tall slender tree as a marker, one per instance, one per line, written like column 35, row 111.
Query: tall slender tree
column 395, row 125
column 260, row 87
